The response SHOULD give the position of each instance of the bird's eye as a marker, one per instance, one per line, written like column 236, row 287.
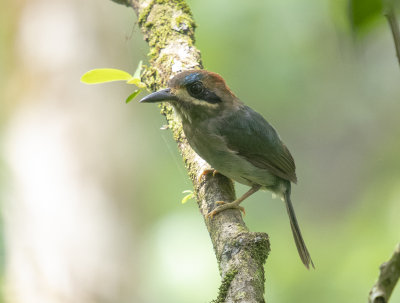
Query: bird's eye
column 196, row 89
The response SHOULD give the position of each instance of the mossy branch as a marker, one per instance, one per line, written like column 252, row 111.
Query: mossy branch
column 168, row 27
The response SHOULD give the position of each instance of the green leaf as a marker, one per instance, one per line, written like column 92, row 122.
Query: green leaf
column 136, row 80
column 187, row 197
column 138, row 70
column 363, row 13
column 133, row 95
column 101, row 75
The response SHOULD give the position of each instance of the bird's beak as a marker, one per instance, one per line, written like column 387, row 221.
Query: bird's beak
column 161, row 95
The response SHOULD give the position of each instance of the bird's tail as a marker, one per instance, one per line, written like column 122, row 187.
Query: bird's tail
column 298, row 239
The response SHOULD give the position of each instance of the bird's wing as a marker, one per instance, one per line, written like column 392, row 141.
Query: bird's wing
column 248, row 134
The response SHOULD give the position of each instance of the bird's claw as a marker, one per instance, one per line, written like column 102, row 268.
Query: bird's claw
column 206, row 172
column 225, row 205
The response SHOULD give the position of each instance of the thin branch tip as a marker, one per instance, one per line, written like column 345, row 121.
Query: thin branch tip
column 387, row 280
column 390, row 14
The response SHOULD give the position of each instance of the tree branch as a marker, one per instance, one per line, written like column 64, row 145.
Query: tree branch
column 168, row 27
column 390, row 14
column 388, row 277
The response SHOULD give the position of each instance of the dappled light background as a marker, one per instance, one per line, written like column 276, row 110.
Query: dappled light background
column 91, row 188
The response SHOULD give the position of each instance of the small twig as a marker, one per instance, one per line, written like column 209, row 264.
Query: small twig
column 390, row 14
column 388, row 277
column 124, row 2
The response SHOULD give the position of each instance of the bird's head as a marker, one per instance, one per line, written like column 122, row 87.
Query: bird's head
column 196, row 94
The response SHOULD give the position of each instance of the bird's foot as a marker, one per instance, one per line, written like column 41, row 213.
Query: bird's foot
column 206, row 172
column 225, row 205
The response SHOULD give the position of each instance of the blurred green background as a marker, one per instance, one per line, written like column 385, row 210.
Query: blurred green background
column 91, row 188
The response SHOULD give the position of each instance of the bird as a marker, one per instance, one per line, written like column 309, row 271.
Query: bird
column 234, row 140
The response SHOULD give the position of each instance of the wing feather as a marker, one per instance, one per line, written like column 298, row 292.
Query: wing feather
column 248, row 134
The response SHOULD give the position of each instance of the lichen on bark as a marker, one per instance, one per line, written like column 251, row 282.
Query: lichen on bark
column 168, row 27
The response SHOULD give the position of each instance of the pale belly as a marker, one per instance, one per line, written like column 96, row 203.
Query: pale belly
column 214, row 150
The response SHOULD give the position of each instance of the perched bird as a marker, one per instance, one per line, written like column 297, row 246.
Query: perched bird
column 234, row 139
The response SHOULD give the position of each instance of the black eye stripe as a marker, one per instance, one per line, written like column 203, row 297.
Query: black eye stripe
column 211, row 97
column 198, row 91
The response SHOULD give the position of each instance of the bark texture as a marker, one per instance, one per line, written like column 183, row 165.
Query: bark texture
column 388, row 277
column 168, row 27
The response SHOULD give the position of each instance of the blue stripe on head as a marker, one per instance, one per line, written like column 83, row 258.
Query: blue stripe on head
column 192, row 78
